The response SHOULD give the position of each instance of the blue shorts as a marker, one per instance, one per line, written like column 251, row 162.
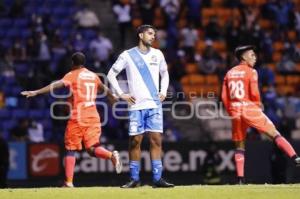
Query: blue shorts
column 146, row 120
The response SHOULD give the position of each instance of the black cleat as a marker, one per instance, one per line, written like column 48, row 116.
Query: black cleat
column 297, row 161
column 241, row 181
column 162, row 184
column 131, row 184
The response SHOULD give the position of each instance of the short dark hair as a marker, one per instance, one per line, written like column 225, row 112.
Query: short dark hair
column 143, row 28
column 78, row 59
column 238, row 52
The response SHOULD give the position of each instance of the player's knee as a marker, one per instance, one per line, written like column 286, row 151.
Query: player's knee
column 70, row 153
column 155, row 142
column 134, row 143
column 91, row 151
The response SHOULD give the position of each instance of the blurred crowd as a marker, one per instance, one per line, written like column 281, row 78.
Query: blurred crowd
column 197, row 37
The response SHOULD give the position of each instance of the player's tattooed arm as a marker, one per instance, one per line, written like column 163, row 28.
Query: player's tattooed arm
column 46, row 89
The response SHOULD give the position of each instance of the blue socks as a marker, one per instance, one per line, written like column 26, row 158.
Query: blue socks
column 134, row 167
column 156, row 170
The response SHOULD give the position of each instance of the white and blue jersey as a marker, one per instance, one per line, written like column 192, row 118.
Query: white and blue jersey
column 142, row 70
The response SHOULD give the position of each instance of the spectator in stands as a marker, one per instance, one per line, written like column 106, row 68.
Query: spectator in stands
column 171, row 8
column 6, row 65
column 4, row 162
column 297, row 21
column 250, row 16
column 194, row 11
column 20, row 132
column 86, row 18
column 122, row 10
column 213, row 31
column 210, row 60
column 287, row 63
column 265, row 75
column 232, row 34
column 18, row 51
column 35, row 132
column 60, row 119
column 267, row 47
column 79, row 43
column 101, row 50
column 161, row 38
column 189, row 37
column 288, row 105
column 270, row 105
column 147, row 9
column 17, row 9
column 2, row 99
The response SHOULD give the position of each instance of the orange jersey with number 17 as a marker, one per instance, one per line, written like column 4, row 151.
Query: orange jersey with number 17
column 83, row 85
column 240, row 87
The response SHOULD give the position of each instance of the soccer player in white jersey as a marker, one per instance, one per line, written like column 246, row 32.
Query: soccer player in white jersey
column 143, row 65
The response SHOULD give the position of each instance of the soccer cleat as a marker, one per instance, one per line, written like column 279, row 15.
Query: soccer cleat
column 131, row 184
column 161, row 183
column 68, row 185
column 241, row 180
column 115, row 158
column 297, row 161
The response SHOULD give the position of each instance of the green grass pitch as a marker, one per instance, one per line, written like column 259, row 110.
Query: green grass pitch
column 182, row 192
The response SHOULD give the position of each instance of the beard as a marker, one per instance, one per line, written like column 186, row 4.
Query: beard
column 147, row 44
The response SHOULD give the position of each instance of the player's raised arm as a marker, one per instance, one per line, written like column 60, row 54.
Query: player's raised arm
column 46, row 89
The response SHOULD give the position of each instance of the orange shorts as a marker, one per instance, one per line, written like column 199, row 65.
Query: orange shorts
column 249, row 117
column 76, row 134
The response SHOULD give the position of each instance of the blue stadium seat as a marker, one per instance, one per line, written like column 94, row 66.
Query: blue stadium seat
column 43, row 10
column 13, row 33
column 47, row 113
column 5, row 134
column 5, row 114
column 47, row 124
column 25, row 33
column 66, row 23
column 36, row 114
column 47, row 135
column 59, row 12
column 2, row 32
column 19, row 113
column 16, row 90
column 22, row 69
column 5, row 23
column 69, row 3
column 21, row 23
column 89, row 34
column 6, row 43
column 8, row 124
column 9, row 81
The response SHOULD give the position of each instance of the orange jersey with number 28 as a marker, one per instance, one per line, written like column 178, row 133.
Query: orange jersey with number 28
column 240, row 87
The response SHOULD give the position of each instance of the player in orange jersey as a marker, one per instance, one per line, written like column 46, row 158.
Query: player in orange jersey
column 84, row 123
column 241, row 99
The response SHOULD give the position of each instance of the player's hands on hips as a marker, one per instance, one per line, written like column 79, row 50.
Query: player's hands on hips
column 112, row 99
column 29, row 93
column 128, row 98
column 161, row 97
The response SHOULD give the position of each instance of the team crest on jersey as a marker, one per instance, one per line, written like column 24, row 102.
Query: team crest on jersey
column 153, row 58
